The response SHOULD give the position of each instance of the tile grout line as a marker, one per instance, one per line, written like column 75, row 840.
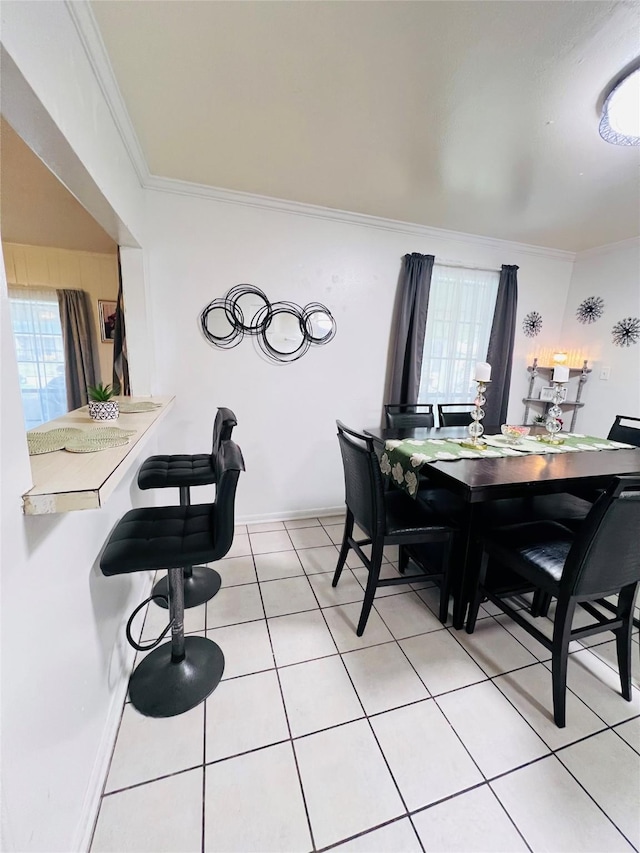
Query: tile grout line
column 290, row 741
column 368, row 717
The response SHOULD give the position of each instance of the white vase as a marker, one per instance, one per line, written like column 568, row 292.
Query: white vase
column 103, row 411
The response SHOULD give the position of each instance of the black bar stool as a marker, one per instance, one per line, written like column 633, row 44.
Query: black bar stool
column 176, row 676
column 183, row 471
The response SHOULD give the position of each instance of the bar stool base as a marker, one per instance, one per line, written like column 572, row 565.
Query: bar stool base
column 158, row 687
column 202, row 585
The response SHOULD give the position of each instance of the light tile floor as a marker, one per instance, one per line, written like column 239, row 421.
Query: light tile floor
column 415, row 737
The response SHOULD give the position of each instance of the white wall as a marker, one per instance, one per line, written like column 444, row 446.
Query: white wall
column 42, row 39
column 613, row 273
column 64, row 662
column 199, row 248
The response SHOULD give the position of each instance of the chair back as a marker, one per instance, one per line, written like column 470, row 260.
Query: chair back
column 228, row 463
column 449, row 414
column 364, row 494
column 400, row 415
column 605, row 555
column 223, row 425
column 624, row 432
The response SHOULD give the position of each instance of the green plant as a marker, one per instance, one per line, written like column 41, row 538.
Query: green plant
column 100, row 393
column 540, row 419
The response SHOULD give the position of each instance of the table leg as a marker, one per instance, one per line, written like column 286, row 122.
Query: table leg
column 469, row 555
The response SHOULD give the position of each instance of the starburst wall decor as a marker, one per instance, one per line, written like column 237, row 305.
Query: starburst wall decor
column 590, row 310
column 532, row 324
column 626, row 332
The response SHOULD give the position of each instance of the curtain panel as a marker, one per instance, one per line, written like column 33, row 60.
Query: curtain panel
column 77, row 337
column 500, row 351
column 411, row 322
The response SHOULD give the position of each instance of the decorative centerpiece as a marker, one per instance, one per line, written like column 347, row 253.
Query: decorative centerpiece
column 475, row 429
column 101, row 406
column 514, row 433
column 553, row 424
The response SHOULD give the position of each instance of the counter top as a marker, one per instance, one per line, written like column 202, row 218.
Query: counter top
column 63, row 481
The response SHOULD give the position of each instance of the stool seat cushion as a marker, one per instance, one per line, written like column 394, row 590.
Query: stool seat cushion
column 162, row 472
column 168, row 537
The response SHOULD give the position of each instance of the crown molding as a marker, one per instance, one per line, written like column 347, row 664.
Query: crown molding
column 87, row 27
column 203, row 191
column 621, row 245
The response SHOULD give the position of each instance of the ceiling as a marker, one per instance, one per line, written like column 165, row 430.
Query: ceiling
column 470, row 115
column 36, row 208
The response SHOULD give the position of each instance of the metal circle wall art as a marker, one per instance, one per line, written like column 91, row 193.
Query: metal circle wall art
column 532, row 324
column 284, row 331
column 626, row 332
column 590, row 310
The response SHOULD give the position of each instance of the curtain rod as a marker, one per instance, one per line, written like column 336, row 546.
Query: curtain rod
column 456, row 265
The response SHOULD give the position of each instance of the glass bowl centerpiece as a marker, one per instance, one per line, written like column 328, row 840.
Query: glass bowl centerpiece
column 514, row 433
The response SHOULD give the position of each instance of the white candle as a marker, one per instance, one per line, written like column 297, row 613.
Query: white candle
column 483, row 372
column 561, row 373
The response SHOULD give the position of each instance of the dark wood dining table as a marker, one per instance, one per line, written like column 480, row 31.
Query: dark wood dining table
column 477, row 481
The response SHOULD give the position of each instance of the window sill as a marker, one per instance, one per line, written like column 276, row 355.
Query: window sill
column 65, row 482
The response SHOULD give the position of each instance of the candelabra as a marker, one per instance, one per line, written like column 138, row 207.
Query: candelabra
column 553, row 425
column 475, row 428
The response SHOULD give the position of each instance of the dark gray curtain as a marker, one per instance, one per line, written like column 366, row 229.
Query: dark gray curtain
column 77, row 337
column 500, row 352
column 120, row 380
column 411, row 321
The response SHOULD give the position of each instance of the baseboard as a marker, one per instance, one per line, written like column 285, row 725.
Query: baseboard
column 290, row 516
column 91, row 805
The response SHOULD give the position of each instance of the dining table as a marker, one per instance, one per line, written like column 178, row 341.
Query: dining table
column 477, row 481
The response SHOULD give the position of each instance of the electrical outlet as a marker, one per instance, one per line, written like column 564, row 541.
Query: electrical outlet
column 604, row 372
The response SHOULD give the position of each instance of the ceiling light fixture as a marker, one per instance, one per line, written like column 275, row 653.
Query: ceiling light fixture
column 620, row 122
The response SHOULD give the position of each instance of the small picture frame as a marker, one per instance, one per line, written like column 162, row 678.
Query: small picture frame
column 547, row 393
column 107, row 319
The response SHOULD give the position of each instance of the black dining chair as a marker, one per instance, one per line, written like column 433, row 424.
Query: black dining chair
column 387, row 518
column 178, row 675
column 407, row 415
column 182, row 471
column 625, row 432
column 601, row 559
column 450, row 414
column 619, row 432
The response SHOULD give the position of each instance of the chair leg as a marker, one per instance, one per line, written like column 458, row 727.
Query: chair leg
column 445, row 584
column 623, row 637
column 344, row 548
column 176, row 676
column 475, row 604
column 560, row 655
column 403, row 559
column 372, row 584
column 541, row 603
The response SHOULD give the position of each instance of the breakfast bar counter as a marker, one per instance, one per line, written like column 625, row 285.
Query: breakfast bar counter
column 65, row 481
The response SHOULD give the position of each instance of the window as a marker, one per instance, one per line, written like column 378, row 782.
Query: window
column 459, row 318
column 35, row 319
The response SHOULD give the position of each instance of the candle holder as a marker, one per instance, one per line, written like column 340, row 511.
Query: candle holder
column 552, row 424
column 475, row 428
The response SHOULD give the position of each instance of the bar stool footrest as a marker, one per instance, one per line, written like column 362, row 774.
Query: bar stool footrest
column 201, row 586
column 161, row 687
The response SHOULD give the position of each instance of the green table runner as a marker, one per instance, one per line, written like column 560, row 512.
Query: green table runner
column 402, row 459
